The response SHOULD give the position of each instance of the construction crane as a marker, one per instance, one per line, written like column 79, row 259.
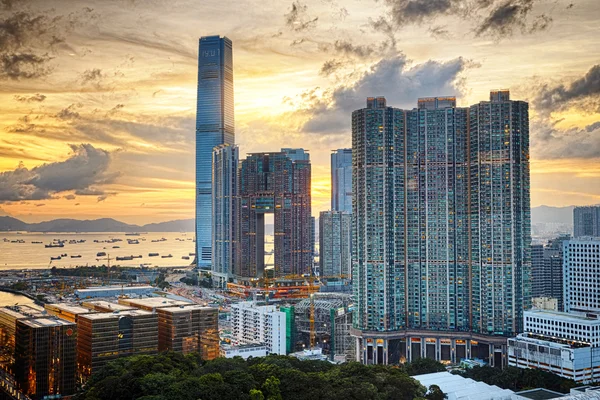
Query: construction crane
column 312, row 321
column 108, row 260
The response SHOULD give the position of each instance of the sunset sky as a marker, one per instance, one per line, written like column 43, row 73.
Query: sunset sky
column 98, row 97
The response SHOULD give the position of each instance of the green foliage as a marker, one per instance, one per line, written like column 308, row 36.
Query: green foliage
column 517, row 379
column 435, row 393
column 20, row 286
column 423, row 366
column 174, row 376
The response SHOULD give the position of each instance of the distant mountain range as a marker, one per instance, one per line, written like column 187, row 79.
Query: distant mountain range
column 541, row 214
column 96, row 225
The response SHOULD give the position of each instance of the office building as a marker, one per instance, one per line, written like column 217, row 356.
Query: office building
column 225, row 245
column 9, row 316
column 189, row 329
column 277, row 183
column 214, row 126
column 244, row 351
column 152, row 303
column 252, row 324
column 68, row 312
column 441, row 229
column 335, row 243
column 565, row 344
column 103, row 337
column 581, row 274
column 45, row 357
column 586, row 221
column 341, row 180
column 547, row 270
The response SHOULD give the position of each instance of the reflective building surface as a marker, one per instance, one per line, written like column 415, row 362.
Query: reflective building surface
column 214, row 126
column 341, row 180
column 441, row 228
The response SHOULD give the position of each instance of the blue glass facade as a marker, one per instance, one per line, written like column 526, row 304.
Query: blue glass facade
column 441, row 226
column 214, row 126
column 341, row 180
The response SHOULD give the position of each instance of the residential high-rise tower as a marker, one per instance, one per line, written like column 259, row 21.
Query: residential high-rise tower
column 341, row 180
column 586, row 221
column 214, row 126
column 335, row 239
column 441, row 228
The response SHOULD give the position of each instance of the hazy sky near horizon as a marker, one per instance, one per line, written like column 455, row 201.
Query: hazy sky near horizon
column 98, row 97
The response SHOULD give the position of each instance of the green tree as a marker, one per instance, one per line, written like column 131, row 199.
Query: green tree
column 422, row 366
column 256, row 394
column 435, row 393
column 271, row 387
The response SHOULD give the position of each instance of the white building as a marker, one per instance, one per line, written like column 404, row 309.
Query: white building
column 244, row 351
column 113, row 291
column 457, row 387
column 566, row 344
column 581, row 268
column 252, row 324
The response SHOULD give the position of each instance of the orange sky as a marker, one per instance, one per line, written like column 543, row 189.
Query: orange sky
column 121, row 77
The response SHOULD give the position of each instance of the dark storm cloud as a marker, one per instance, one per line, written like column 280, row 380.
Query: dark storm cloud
column 584, row 91
column 511, row 15
column 330, row 111
column 17, row 66
column 298, row 19
column 496, row 18
column 25, row 40
column 86, row 168
column 36, row 98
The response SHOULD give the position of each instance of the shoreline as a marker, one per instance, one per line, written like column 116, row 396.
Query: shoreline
column 29, row 296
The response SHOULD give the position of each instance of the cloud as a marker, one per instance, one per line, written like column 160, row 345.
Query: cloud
column 37, row 98
column 70, row 197
column 331, row 66
column 69, row 113
column 16, row 66
column 330, row 111
column 297, row 19
column 583, row 92
column 511, row 14
column 416, row 11
column 439, row 32
column 86, row 167
column 93, row 75
column 549, row 142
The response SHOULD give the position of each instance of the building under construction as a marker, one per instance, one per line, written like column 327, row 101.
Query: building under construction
column 329, row 316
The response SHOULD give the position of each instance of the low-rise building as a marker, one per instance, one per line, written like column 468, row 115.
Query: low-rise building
column 253, row 324
column 114, row 291
column 566, row 344
column 245, row 351
column 152, row 303
column 105, row 306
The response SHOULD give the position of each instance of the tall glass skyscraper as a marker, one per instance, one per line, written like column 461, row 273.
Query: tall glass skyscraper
column 341, row 180
column 441, row 228
column 214, row 126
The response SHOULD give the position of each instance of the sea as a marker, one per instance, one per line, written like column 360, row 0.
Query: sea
column 10, row 299
column 23, row 250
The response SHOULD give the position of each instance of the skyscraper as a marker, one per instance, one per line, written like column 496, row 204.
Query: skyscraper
column 581, row 266
column 341, row 180
column 547, row 270
column 586, row 221
column 225, row 245
column 277, row 183
column 214, row 126
column 335, row 239
column 441, row 228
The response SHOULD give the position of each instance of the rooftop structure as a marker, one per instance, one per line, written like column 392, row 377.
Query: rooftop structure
column 68, row 312
column 152, row 303
column 244, row 351
column 105, row 306
column 113, row 291
column 458, row 388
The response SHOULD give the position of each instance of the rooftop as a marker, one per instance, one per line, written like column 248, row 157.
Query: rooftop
column 540, row 394
column 458, row 388
column 154, row 302
column 105, row 305
column 575, row 317
column 536, row 338
column 46, row 322
column 116, row 314
column 115, row 288
column 74, row 309
column 186, row 308
column 24, row 311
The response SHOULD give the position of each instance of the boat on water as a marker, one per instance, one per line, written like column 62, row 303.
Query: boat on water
column 116, row 247
column 185, row 257
column 192, row 254
column 153, row 255
column 63, row 255
column 138, row 256
column 168, row 256
column 55, row 258
column 133, row 241
column 36, row 242
column 100, row 254
column 125, row 258
column 132, row 234
column 52, row 245
column 77, row 256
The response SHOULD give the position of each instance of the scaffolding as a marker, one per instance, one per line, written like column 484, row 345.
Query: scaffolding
column 332, row 323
